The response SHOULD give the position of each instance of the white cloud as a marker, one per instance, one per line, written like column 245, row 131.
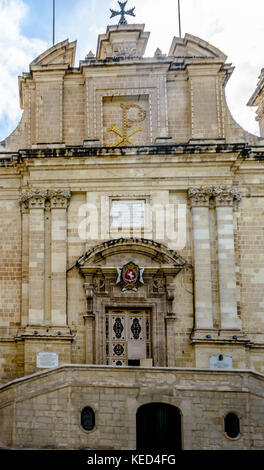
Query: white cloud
column 234, row 26
column 16, row 52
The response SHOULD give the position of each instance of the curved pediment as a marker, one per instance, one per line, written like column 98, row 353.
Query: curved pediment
column 62, row 53
column 157, row 252
column 193, row 47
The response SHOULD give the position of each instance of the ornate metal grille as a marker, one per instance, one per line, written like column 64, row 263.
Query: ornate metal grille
column 136, row 328
column 119, row 349
column 127, row 336
column 118, row 328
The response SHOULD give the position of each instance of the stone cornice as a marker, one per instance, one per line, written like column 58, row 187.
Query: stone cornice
column 191, row 150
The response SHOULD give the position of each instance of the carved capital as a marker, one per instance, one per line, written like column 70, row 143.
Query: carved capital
column 226, row 197
column 37, row 199
column 33, row 199
column 59, row 199
column 200, row 197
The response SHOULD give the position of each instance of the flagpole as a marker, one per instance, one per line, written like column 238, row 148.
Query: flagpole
column 179, row 15
column 53, row 22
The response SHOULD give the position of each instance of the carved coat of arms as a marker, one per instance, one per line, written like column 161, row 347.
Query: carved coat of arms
column 130, row 277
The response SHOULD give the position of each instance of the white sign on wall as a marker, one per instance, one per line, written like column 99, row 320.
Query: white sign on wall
column 47, row 360
column 221, row 362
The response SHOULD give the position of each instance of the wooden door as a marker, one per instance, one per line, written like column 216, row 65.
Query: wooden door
column 128, row 337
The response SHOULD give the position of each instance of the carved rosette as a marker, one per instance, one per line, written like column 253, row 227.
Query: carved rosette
column 223, row 196
column 200, row 197
column 38, row 199
column 226, row 197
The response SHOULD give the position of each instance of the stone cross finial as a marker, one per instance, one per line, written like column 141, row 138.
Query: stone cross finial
column 123, row 12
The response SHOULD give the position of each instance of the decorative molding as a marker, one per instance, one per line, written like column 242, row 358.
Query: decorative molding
column 37, row 199
column 99, row 283
column 149, row 247
column 33, row 199
column 226, row 197
column 223, row 196
column 59, row 199
column 159, row 284
column 200, row 197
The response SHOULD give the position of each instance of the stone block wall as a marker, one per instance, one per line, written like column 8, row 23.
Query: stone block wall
column 46, row 408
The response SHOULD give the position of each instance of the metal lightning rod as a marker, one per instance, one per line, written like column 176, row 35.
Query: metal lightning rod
column 179, row 15
column 53, row 22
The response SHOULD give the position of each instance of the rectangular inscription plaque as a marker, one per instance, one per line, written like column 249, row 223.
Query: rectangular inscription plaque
column 47, row 360
column 221, row 362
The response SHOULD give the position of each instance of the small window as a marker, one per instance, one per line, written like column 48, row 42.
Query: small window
column 87, row 419
column 232, row 425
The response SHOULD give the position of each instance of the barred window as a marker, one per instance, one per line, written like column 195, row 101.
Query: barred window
column 87, row 419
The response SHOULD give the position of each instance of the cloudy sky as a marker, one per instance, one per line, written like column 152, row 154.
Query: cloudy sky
column 234, row 26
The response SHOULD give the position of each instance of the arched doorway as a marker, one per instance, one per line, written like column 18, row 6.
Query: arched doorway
column 159, row 427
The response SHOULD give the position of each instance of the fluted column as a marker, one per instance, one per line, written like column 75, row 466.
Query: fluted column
column 59, row 204
column 225, row 199
column 199, row 199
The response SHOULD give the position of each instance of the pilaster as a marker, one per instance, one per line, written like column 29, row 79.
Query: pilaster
column 59, row 204
column 44, row 257
column 225, row 199
column 199, row 199
column 36, row 204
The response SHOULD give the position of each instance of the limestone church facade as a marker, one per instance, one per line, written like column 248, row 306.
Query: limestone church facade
column 132, row 253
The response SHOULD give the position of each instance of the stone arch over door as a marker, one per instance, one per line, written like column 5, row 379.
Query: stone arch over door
column 101, row 267
column 159, row 427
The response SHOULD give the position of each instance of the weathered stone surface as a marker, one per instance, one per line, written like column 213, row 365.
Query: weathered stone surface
column 155, row 132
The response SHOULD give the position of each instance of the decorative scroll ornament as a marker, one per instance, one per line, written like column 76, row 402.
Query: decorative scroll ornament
column 125, row 136
column 130, row 277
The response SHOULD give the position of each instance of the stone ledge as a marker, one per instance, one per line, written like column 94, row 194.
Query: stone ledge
column 49, row 151
column 132, row 370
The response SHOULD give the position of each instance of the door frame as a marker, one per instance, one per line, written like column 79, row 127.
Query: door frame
column 168, row 405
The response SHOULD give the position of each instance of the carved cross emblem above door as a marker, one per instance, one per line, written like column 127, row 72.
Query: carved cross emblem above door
column 130, row 277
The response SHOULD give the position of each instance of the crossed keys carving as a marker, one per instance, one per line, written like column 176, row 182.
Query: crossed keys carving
column 125, row 136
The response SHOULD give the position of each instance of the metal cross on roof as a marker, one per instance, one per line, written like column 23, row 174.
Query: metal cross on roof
column 123, row 12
